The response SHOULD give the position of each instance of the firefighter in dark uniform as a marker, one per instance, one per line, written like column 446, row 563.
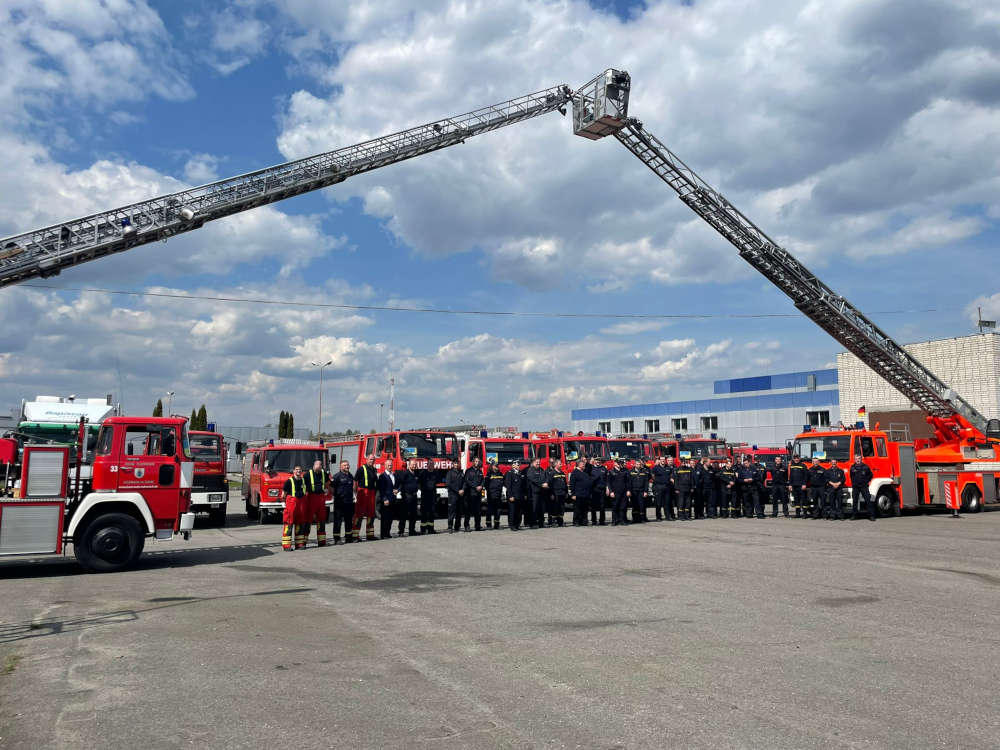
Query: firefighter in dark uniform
column 746, row 481
column 555, row 477
column 700, row 489
column 428, row 498
column 638, row 486
column 834, row 501
column 537, row 486
column 662, row 474
column 343, row 502
column 817, row 487
column 618, row 482
column 317, row 484
column 409, row 486
column 684, row 484
column 861, row 475
column 599, row 475
column 454, row 483
column 474, row 494
column 294, row 493
column 494, row 495
column 728, row 491
column 798, row 478
column 779, row 487
column 581, row 487
column 712, row 506
column 389, row 502
column 515, row 484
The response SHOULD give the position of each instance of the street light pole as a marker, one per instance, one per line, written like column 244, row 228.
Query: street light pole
column 319, row 421
column 170, row 403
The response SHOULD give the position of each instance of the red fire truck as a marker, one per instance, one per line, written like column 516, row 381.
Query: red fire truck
column 435, row 449
column 697, row 446
column 567, row 447
column 915, row 474
column 142, row 475
column 764, row 456
column 501, row 448
column 267, row 467
column 632, row 448
column 210, row 492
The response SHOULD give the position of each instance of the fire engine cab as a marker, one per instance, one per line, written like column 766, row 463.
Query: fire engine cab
column 566, row 447
column 267, row 467
column 501, row 449
column 632, row 448
column 696, row 446
column 142, row 476
column 211, row 487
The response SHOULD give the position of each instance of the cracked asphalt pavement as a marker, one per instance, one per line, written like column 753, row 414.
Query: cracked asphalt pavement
column 712, row 634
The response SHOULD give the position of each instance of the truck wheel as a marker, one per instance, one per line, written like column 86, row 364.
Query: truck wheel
column 888, row 503
column 110, row 542
column 217, row 516
column 252, row 512
column 972, row 501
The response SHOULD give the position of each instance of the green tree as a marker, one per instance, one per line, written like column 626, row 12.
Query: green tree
column 193, row 422
column 202, row 418
column 158, row 409
column 282, row 424
column 290, row 428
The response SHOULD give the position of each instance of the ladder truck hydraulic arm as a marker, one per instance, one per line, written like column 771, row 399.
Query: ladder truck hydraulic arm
column 952, row 417
column 45, row 252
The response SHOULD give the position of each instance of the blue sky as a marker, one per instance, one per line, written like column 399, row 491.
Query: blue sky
column 863, row 138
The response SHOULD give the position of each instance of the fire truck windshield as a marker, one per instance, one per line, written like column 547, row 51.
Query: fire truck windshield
column 834, row 446
column 427, row 445
column 586, row 448
column 206, row 448
column 504, row 453
column 626, row 449
column 287, row 460
column 699, row 448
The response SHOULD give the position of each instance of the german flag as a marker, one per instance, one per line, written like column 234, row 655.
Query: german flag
column 861, row 412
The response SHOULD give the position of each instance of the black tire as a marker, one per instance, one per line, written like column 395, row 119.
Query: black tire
column 887, row 503
column 110, row 542
column 217, row 516
column 972, row 500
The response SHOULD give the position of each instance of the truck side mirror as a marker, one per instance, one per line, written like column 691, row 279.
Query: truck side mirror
column 240, row 448
column 267, row 467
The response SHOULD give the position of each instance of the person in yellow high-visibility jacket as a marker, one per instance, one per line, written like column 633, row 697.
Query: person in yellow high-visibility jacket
column 294, row 491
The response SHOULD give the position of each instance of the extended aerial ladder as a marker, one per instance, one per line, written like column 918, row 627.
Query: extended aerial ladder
column 600, row 108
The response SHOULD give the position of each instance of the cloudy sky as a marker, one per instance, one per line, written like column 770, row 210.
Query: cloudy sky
column 864, row 135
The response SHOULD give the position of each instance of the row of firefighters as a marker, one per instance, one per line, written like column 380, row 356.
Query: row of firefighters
column 689, row 491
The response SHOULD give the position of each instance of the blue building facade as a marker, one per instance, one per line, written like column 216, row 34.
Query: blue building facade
column 761, row 410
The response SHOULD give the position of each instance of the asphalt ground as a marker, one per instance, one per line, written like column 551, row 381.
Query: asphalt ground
column 727, row 633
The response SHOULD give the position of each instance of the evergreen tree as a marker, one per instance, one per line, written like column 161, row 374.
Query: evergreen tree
column 202, row 418
column 193, row 422
column 158, row 409
column 282, row 424
column 290, row 428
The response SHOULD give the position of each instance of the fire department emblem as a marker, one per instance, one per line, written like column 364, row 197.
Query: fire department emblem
column 140, row 473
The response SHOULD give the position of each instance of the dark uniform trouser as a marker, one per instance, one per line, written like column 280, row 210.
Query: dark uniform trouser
column 580, row 511
column 684, row 503
column 427, row 502
column 408, row 512
column 670, row 511
column 619, row 503
column 698, row 498
column 514, row 512
column 859, row 493
column 799, row 501
column 834, row 503
column 597, row 506
column 816, row 500
column 493, row 510
column 343, row 514
column 538, row 497
column 638, row 505
column 474, row 507
column 660, row 493
column 748, row 493
column 712, row 504
column 779, row 494
column 455, row 509
column 727, row 505
column 557, row 507
column 386, row 518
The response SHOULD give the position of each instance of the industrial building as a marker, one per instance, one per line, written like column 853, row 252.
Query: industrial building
column 762, row 410
column 771, row 409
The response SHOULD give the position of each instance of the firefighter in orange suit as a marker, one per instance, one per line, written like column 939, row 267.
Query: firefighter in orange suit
column 317, row 482
column 366, row 481
column 294, row 491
